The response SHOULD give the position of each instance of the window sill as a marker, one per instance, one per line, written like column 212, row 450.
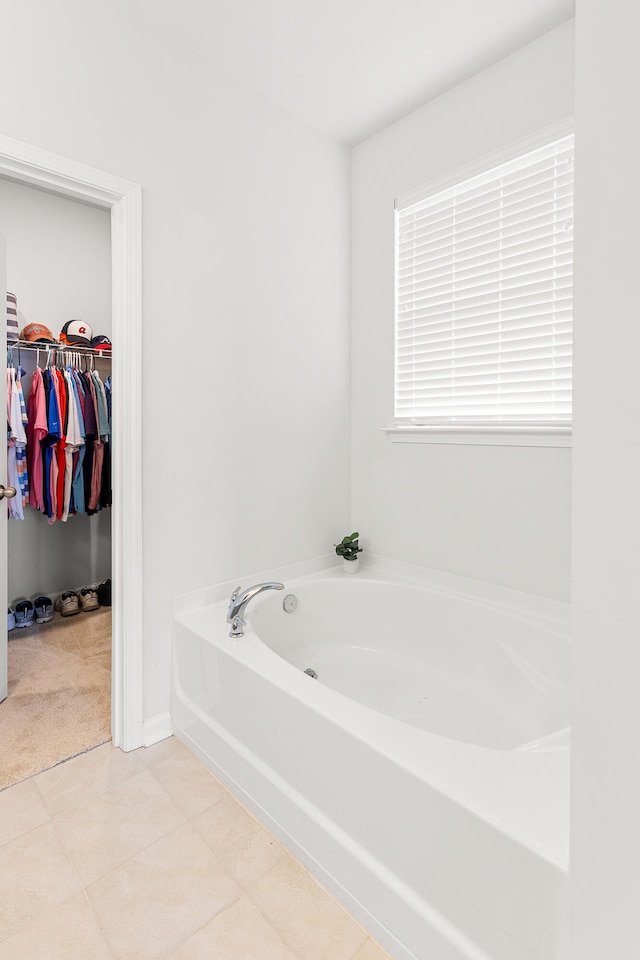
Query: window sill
column 495, row 436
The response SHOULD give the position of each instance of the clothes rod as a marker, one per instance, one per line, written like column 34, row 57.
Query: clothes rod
column 48, row 346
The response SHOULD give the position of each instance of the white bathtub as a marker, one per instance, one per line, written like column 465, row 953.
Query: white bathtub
column 423, row 776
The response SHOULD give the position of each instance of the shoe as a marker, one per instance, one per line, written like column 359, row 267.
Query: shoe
column 11, row 619
column 44, row 609
column 104, row 593
column 88, row 599
column 24, row 613
column 67, row 603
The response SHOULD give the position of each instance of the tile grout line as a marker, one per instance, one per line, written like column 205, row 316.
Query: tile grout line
column 285, row 852
column 222, row 910
column 77, row 875
column 244, row 891
column 56, row 906
column 93, row 796
column 85, row 887
column 117, row 866
column 245, row 885
column 242, row 886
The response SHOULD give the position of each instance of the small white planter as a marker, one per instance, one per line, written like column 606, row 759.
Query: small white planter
column 350, row 566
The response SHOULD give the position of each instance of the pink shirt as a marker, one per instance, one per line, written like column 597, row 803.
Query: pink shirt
column 37, row 430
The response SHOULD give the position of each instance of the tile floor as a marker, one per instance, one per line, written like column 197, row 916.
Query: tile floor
column 146, row 855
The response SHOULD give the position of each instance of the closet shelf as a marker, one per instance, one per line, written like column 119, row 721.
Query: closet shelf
column 59, row 347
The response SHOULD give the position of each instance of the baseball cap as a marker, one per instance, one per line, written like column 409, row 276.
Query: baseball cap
column 37, row 333
column 101, row 342
column 76, row 331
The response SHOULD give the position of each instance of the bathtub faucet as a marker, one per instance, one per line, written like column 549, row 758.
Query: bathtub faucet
column 238, row 604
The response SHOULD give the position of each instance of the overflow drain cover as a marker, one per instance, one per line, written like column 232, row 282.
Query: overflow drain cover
column 311, row 673
column 290, row 603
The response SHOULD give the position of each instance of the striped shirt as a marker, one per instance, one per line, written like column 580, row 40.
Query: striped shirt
column 12, row 317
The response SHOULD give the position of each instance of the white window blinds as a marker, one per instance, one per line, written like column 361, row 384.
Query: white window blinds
column 484, row 276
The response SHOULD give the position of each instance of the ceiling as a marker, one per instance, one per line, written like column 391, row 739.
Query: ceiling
column 351, row 67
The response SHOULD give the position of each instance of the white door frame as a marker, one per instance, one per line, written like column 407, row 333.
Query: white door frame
column 39, row 168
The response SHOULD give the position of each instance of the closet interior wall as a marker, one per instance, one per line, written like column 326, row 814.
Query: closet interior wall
column 59, row 267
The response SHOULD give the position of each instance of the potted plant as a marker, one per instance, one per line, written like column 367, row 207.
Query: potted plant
column 348, row 549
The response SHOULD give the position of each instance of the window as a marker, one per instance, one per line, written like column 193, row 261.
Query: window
column 484, row 275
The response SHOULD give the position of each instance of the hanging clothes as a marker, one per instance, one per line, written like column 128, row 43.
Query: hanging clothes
column 73, row 441
column 77, row 483
column 105, row 495
column 17, row 471
column 54, row 418
column 37, row 430
column 100, row 443
column 59, row 452
column 21, row 446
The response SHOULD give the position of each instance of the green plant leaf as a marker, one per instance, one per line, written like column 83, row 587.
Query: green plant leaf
column 348, row 547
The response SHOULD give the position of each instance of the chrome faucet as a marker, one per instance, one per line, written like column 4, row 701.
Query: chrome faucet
column 238, row 604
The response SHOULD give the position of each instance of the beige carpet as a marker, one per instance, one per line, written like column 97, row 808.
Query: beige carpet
column 59, row 701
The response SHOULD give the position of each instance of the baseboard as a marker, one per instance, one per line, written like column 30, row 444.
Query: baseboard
column 156, row 728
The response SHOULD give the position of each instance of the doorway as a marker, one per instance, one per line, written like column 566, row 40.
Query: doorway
column 58, row 266
column 29, row 165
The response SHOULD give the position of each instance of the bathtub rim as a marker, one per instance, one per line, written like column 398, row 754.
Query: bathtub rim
column 396, row 571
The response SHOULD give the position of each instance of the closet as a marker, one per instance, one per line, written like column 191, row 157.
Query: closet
column 58, row 264
column 51, row 550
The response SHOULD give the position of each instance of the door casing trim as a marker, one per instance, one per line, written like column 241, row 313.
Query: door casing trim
column 30, row 165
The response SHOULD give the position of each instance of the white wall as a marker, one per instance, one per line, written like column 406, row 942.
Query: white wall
column 59, row 267
column 605, row 777
column 245, row 293
column 497, row 513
